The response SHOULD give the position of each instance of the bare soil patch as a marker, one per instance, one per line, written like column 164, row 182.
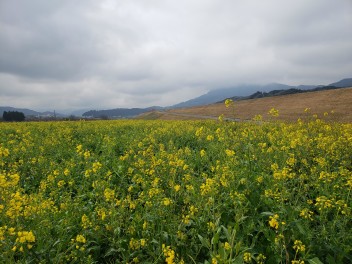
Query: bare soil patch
column 335, row 104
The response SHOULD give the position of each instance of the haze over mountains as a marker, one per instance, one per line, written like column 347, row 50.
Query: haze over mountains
column 213, row 96
column 246, row 91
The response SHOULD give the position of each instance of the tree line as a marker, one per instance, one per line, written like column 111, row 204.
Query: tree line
column 13, row 116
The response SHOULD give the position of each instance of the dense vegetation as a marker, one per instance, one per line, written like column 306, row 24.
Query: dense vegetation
column 13, row 116
column 175, row 192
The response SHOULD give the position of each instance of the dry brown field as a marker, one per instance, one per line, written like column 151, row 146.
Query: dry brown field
column 330, row 105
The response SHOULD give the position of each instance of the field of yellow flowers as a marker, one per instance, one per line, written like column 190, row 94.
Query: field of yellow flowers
column 175, row 192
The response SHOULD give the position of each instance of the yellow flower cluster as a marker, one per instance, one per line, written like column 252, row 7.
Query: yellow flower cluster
column 169, row 254
column 24, row 238
column 118, row 190
column 273, row 222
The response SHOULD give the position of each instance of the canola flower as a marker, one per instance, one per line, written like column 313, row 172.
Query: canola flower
column 247, row 257
column 229, row 102
column 273, row 222
column 117, row 191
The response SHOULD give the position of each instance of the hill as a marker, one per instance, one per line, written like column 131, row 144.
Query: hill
column 237, row 92
column 241, row 92
column 119, row 112
column 335, row 102
column 343, row 83
column 28, row 112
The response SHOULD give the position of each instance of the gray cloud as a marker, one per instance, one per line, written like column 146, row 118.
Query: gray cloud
column 103, row 54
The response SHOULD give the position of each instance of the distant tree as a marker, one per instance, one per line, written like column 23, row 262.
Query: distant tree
column 13, row 116
column 104, row 117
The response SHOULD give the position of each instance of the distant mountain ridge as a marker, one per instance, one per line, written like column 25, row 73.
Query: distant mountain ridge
column 300, row 89
column 119, row 112
column 343, row 83
column 214, row 96
column 28, row 112
column 217, row 95
column 259, row 94
column 242, row 91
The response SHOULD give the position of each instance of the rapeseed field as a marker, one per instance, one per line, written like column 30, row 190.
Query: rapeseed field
column 176, row 192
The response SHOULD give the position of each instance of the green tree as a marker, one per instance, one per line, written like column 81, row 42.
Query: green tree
column 13, row 116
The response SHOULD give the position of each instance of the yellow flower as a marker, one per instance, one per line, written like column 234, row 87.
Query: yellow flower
column 109, row 194
column 61, row 183
column 247, row 257
column 211, row 226
column 66, row 172
column 169, row 254
column 81, row 239
column 260, row 259
column 305, row 213
column 229, row 152
column 177, row 187
column 167, row 201
column 228, row 102
column 274, row 112
column 298, row 246
column 79, row 149
column 210, row 137
column 145, row 224
column 143, row 242
column 227, row 246
column 273, row 221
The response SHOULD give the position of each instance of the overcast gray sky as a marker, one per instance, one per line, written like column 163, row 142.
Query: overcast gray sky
column 71, row 54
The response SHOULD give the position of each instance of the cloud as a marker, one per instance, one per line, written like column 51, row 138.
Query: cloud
column 140, row 53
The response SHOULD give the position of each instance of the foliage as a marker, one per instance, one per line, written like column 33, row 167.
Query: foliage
column 13, row 116
column 175, row 192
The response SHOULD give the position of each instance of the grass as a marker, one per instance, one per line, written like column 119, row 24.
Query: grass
column 291, row 107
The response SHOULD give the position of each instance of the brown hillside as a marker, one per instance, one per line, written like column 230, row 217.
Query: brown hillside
column 291, row 107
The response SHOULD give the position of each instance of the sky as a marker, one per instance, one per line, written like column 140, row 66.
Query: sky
column 88, row 54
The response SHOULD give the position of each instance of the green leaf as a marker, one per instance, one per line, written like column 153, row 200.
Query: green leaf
column 226, row 233
column 205, row 242
column 215, row 239
column 267, row 213
column 111, row 252
column 315, row 261
column 300, row 228
column 238, row 259
column 56, row 242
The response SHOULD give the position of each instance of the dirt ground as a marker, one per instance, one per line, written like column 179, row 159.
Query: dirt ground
column 336, row 104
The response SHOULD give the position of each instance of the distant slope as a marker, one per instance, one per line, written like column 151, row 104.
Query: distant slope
column 236, row 92
column 291, row 107
column 239, row 92
column 119, row 112
column 27, row 112
column 259, row 94
column 253, row 91
column 343, row 83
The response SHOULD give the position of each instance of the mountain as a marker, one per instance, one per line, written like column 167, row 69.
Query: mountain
column 285, row 92
column 240, row 91
column 119, row 112
column 308, row 87
column 343, row 83
column 256, row 91
column 26, row 112
column 29, row 112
